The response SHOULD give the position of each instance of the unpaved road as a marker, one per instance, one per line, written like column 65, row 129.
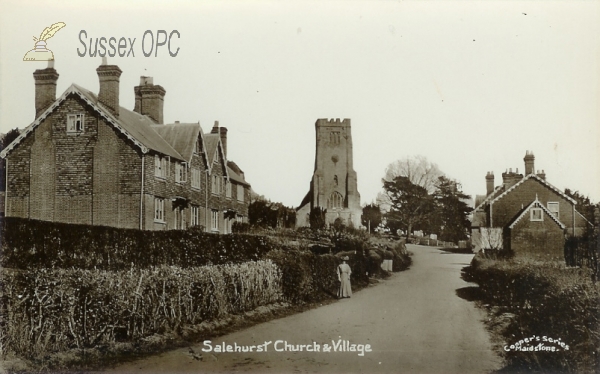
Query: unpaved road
column 414, row 322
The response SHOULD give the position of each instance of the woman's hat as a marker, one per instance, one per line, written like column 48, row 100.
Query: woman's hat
column 345, row 258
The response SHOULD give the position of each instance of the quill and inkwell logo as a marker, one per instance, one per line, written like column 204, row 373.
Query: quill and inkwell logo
column 40, row 52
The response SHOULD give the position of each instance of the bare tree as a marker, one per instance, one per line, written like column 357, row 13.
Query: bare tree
column 418, row 170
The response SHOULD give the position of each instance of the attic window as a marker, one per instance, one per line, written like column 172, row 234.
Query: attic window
column 74, row 123
column 536, row 214
column 553, row 208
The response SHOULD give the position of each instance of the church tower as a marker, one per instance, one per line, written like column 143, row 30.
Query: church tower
column 333, row 185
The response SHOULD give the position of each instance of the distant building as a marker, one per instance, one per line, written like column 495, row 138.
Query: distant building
column 85, row 159
column 525, row 214
column 333, row 185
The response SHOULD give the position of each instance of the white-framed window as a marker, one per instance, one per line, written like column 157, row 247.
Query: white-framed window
column 228, row 189
column 195, row 216
column 161, row 166
column 216, row 185
column 553, row 207
column 159, row 209
column 180, row 172
column 239, row 218
column 214, row 220
column 75, row 123
column 536, row 214
column 196, row 178
column 240, row 193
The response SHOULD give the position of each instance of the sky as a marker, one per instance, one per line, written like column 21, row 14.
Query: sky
column 470, row 85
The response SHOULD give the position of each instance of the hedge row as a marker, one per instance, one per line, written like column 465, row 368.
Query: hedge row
column 51, row 310
column 37, row 244
column 543, row 299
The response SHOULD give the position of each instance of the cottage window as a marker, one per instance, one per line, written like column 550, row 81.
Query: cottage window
column 180, row 172
column 196, row 177
column 240, row 193
column 239, row 219
column 159, row 209
column 216, row 185
column 195, row 216
column 536, row 214
column 161, row 166
column 553, row 208
column 228, row 189
column 75, row 123
column 214, row 221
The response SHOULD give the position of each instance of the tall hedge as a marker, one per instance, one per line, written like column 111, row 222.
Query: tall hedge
column 51, row 310
column 30, row 244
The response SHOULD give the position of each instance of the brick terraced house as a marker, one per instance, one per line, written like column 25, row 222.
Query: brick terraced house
column 87, row 160
column 525, row 214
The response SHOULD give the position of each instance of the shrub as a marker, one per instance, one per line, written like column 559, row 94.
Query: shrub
column 306, row 277
column 545, row 299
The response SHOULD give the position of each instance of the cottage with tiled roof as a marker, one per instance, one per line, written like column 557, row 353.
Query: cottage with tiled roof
column 85, row 159
column 525, row 214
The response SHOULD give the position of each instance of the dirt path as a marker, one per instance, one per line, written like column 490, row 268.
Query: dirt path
column 414, row 322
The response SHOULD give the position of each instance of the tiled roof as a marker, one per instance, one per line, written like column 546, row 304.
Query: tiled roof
column 537, row 204
column 181, row 136
column 139, row 126
column 212, row 141
column 490, row 197
column 234, row 176
column 134, row 126
column 543, row 181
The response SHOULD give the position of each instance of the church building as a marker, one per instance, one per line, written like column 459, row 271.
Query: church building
column 333, row 185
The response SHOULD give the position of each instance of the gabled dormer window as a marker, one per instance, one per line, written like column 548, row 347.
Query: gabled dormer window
column 536, row 214
column 75, row 123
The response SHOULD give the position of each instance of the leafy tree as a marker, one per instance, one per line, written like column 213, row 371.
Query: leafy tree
column 452, row 210
column 410, row 204
column 264, row 213
column 4, row 142
column 371, row 216
column 317, row 218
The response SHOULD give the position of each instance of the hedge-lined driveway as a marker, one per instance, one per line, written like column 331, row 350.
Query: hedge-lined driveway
column 413, row 322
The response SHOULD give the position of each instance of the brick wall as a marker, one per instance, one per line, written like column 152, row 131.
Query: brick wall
column 18, row 179
column 537, row 239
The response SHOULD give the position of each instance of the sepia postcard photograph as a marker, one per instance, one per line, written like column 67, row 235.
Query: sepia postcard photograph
column 299, row 186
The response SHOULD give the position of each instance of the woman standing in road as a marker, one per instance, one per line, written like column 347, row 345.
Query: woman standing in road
column 344, row 272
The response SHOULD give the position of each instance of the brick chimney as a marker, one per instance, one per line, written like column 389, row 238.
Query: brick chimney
column 45, row 88
column 149, row 99
column 223, row 133
column 489, row 182
column 529, row 162
column 541, row 174
column 109, row 86
column 215, row 129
